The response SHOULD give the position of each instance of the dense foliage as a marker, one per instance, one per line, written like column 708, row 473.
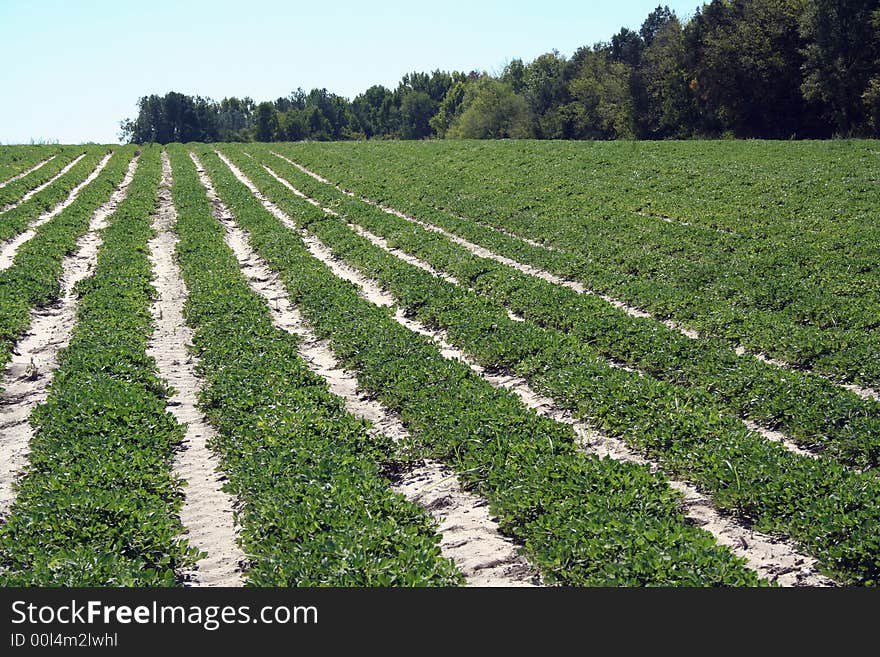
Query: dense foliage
column 771, row 246
column 680, row 426
column 745, row 68
column 582, row 520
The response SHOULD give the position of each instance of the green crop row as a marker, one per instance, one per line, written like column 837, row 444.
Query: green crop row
column 813, row 411
column 34, row 277
column 808, row 294
column 582, row 520
column 15, row 190
column 98, row 505
column 19, row 218
column 828, row 509
column 16, row 159
column 317, row 506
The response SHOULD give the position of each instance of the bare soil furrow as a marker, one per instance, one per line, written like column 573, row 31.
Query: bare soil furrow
column 477, row 250
column 10, row 248
column 469, row 535
column 207, row 511
column 40, row 188
column 27, row 376
column 37, row 166
column 774, row 558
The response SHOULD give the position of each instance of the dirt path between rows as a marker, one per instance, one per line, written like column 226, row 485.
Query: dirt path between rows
column 19, row 176
column 10, row 248
column 40, row 188
column 207, row 511
column 27, row 376
column 469, row 534
column 774, row 558
column 477, row 250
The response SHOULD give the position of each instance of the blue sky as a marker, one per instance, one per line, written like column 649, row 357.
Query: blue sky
column 73, row 69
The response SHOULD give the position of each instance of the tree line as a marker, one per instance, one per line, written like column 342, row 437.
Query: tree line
column 743, row 68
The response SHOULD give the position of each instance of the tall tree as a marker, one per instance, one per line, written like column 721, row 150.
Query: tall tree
column 491, row 110
column 266, row 122
column 746, row 59
column 376, row 111
column 545, row 91
column 655, row 22
column 841, row 58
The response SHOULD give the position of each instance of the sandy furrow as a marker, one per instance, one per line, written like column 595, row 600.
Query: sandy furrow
column 776, row 436
column 207, row 511
column 477, row 250
column 469, row 535
column 10, row 248
column 38, row 165
column 40, row 188
column 27, row 376
column 774, row 558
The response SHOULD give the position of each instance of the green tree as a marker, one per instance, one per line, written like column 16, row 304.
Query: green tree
column 376, row 111
column 491, row 110
column 746, row 59
column 292, row 125
column 545, row 91
column 601, row 106
column 417, row 109
column 655, row 22
column 664, row 104
column 841, row 59
column 265, row 122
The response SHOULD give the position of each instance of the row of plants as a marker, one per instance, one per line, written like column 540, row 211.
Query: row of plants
column 828, row 509
column 19, row 218
column 14, row 160
column 34, row 279
column 804, row 291
column 582, row 520
column 316, row 504
column 814, row 412
column 18, row 188
column 98, row 503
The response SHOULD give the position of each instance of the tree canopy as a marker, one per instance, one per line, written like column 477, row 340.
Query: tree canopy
column 747, row 68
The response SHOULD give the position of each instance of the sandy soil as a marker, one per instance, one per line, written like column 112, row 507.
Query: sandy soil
column 38, row 165
column 207, row 511
column 27, row 376
column 40, row 188
column 469, row 534
column 10, row 248
column 772, row 557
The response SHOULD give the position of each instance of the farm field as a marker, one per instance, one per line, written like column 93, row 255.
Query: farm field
column 442, row 363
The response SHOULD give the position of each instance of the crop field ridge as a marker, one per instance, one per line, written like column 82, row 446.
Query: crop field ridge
column 774, row 558
column 382, row 243
column 865, row 392
column 10, row 248
column 503, row 231
column 19, row 176
column 36, row 190
column 469, row 536
column 207, row 511
column 27, row 376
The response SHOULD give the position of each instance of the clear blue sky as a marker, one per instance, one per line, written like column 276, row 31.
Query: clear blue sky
column 73, row 69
